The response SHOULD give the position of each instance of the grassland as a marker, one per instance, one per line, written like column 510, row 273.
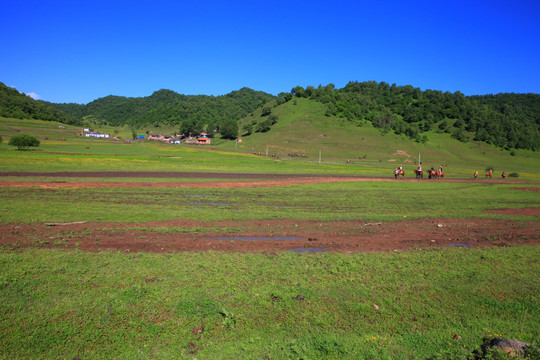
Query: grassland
column 370, row 201
column 435, row 304
column 68, row 304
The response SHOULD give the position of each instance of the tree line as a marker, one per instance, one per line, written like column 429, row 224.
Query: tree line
column 504, row 120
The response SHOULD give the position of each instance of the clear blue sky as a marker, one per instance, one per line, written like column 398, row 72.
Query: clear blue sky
column 78, row 51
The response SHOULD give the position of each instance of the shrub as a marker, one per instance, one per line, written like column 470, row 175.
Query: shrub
column 513, row 175
column 23, row 141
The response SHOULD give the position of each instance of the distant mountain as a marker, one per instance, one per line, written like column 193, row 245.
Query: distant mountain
column 14, row 104
column 166, row 107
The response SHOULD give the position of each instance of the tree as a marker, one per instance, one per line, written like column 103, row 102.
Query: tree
column 264, row 126
column 266, row 111
column 23, row 141
column 229, row 129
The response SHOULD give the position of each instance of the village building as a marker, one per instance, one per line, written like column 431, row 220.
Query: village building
column 160, row 137
column 92, row 133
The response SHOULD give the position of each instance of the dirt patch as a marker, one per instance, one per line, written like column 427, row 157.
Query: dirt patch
column 260, row 235
column 271, row 236
column 530, row 211
column 256, row 180
column 527, row 188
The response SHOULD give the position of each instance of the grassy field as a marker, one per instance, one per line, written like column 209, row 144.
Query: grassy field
column 341, row 142
column 67, row 304
column 370, row 201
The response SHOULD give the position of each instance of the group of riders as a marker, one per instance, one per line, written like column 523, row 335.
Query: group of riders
column 437, row 173
column 419, row 173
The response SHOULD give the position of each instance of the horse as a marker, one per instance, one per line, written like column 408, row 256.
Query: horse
column 476, row 175
column 489, row 174
column 398, row 172
column 419, row 174
column 434, row 174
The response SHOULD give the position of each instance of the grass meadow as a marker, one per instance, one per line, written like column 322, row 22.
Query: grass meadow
column 69, row 304
column 429, row 304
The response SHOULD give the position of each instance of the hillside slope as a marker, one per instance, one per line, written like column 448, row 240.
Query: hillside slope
column 303, row 128
column 14, row 104
column 505, row 120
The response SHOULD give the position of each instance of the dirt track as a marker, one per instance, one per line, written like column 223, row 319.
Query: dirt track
column 262, row 235
column 259, row 180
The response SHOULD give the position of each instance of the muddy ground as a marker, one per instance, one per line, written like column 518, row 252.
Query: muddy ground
column 261, row 235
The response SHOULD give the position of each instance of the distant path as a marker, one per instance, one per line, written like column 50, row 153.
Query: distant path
column 258, row 180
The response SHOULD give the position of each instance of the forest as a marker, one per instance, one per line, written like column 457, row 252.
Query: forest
column 504, row 120
column 191, row 113
column 14, row 104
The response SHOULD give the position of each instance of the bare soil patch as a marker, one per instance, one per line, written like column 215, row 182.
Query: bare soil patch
column 255, row 180
column 271, row 236
column 530, row 211
column 261, row 235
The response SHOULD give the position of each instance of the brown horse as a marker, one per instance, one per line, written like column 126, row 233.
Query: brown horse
column 419, row 174
column 476, row 175
column 434, row 174
column 398, row 172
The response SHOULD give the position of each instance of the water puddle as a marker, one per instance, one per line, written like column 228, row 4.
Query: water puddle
column 461, row 244
column 310, row 250
column 209, row 203
column 256, row 238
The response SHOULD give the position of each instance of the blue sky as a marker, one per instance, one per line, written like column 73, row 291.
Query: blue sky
column 78, row 51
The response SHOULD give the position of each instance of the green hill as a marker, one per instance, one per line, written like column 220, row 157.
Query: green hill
column 14, row 104
column 168, row 108
column 505, row 120
column 303, row 127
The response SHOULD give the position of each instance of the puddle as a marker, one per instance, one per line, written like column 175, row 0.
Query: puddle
column 209, row 203
column 257, row 238
column 311, row 250
column 461, row 244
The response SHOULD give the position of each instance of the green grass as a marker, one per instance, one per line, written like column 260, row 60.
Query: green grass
column 302, row 129
column 67, row 304
column 371, row 201
column 70, row 304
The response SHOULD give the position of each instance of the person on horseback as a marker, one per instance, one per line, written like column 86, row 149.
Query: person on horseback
column 419, row 168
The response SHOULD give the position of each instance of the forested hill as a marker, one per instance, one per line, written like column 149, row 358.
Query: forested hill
column 505, row 120
column 14, row 104
column 169, row 107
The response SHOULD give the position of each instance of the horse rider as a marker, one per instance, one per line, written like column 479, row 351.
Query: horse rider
column 440, row 170
column 400, row 169
column 503, row 174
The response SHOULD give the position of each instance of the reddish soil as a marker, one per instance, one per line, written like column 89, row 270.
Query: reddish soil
column 259, row 180
column 273, row 235
column 262, row 235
